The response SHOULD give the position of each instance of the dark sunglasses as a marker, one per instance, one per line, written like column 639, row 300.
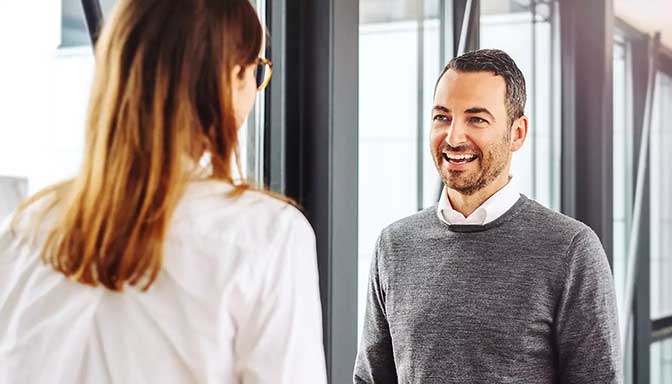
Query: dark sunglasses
column 262, row 72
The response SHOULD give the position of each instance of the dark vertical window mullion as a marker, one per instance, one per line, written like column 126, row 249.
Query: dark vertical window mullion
column 473, row 28
column 321, row 139
column 586, row 29
column 94, row 18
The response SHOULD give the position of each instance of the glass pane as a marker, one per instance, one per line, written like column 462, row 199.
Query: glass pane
column 74, row 32
column 398, row 40
column 661, row 362
column 661, row 208
column 527, row 33
column 251, row 134
column 386, row 11
column 623, row 183
column 44, row 96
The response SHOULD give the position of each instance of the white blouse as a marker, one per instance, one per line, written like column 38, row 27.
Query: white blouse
column 237, row 301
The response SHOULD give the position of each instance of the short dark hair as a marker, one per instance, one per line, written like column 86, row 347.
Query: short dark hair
column 501, row 64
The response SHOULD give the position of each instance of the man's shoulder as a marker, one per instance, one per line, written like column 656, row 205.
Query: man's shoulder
column 419, row 222
column 549, row 223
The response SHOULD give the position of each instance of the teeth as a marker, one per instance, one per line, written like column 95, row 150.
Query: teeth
column 461, row 157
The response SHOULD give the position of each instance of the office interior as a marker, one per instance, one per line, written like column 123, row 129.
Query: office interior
column 343, row 129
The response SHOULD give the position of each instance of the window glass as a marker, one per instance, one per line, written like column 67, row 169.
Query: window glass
column 46, row 76
column 44, row 96
column 623, row 183
column 251, row 134
column 399, row 61
column 661, row 206
column 661, row 362
column 74, row 32
column 527, row 32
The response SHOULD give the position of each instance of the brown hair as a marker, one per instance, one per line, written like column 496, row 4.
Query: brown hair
column 501, row 64
column 161, row 95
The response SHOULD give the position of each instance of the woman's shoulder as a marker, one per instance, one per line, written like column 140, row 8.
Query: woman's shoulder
column 222, row 197
column 33, row 216
column 27, row 225
column 253, row 217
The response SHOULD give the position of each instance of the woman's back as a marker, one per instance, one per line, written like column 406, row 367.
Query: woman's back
column 236, row 300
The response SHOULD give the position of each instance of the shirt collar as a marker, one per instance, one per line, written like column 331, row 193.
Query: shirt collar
column 489, row 211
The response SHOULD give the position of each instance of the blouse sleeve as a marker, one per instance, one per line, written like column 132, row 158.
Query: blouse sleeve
column 281, row 340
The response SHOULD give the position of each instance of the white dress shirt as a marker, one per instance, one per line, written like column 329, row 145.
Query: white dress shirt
column 487, row 212
column 237, row 301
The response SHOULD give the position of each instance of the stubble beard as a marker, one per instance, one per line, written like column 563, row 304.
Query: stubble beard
column 490, row 168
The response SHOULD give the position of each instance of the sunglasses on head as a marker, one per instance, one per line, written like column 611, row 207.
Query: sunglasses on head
column 262, row 72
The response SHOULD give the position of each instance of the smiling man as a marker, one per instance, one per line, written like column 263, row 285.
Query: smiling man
column 488, row 286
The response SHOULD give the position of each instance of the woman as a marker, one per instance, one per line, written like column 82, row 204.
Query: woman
column 152, row 265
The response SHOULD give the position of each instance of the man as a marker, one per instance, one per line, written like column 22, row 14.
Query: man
column 489, row 286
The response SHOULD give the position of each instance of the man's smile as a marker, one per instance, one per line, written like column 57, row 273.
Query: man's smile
column 459, row 158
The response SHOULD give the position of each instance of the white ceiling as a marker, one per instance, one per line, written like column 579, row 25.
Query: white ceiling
column 647, row 16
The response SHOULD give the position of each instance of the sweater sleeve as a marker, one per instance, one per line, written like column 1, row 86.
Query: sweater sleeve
column 375, row 359
column 587, row 333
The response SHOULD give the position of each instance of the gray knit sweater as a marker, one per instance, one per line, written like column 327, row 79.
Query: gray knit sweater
column 527, row 298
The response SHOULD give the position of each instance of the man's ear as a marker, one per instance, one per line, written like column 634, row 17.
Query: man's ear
column 519, row 132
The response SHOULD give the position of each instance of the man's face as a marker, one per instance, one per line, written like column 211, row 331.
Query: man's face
column 471, row 138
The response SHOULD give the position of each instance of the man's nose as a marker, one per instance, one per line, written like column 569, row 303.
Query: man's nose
column 456, row 134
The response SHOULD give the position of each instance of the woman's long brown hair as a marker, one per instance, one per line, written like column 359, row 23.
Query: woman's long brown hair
column 160, row 97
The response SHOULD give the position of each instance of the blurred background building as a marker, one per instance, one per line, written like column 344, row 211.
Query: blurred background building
column 343, row 128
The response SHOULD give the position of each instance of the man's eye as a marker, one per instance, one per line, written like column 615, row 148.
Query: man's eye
column 441, row 118
column 477, row 120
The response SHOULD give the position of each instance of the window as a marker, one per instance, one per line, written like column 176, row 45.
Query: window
column 251, row 135
column 623, row 158
column 527, row 32
column 400, row 57
column 44, row 95
column 74, row 32
column 396, row 172
column 623, row 175
column 661, row 208
column 661, row 362
column 46, row 75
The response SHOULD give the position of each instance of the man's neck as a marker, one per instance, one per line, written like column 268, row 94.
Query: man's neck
column 467, row 204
